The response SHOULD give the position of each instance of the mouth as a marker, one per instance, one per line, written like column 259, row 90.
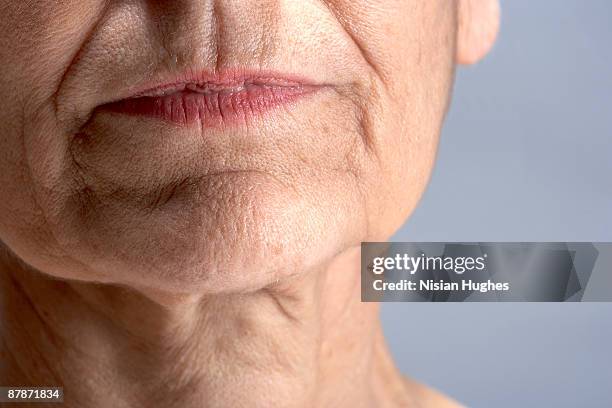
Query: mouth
column 213, row 99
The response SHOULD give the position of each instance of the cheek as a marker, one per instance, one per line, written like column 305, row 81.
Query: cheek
column 37, row 181
column 410, row 52
column 38, row 42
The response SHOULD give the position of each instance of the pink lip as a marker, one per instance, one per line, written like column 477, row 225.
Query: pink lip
column 213, row 99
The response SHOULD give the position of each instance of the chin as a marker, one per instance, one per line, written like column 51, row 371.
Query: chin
column 231, row 232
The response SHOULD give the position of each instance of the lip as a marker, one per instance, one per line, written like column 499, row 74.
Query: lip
column 212, row 99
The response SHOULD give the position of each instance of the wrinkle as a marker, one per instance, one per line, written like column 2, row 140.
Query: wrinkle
column 348, row 27
column 365, row 126
column 75, row 58
column 217, row 17
column 26, row 154
column 281, row 307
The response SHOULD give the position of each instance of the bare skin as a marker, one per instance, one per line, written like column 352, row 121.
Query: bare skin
column 308, row 342
column 147, row 264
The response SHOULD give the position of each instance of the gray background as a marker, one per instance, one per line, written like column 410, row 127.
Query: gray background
column 526, row 155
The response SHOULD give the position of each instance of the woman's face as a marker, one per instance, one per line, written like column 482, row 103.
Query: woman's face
column 214, row 145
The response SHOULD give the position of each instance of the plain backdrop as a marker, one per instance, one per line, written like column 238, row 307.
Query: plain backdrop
column 525, row 155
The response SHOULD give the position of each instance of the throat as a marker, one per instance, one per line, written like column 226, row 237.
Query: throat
column 301, row 345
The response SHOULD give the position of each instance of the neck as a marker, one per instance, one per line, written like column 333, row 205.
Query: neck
column 306, row 342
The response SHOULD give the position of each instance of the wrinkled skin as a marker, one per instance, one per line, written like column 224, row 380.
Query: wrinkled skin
column 251, row 204
column 195, row 211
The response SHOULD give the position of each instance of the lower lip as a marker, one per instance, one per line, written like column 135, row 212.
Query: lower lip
column 212, row 108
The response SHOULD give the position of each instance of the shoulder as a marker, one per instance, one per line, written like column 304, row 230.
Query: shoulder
column 427, row 397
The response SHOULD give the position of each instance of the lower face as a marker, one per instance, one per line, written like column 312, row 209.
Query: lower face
column 188, row 148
